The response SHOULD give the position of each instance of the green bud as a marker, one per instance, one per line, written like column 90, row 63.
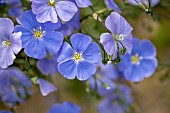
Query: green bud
column 123, row 50
column 34, row 80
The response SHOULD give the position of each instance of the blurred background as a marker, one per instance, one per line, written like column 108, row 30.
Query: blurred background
column 152, row 95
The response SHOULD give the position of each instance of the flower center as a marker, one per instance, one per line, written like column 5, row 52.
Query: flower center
column 119, row 37
column 136, row 59
column 6, row 43
column 38, row 33
column 51, row 3
column 77, row 56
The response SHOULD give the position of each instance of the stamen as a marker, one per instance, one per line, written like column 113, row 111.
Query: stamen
column 51, row 3
column 136, row 59
column 77, row 56
column 6, row 43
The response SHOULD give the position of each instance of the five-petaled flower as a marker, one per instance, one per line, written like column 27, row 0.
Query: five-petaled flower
column 39, row 38
column 80, row 61
column 10, row 43
column 120, row 35
column 50, row 10
column 141, row 62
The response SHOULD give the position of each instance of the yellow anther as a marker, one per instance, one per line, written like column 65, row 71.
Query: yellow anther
column 38, row 34
column 51, row 3
column 77, row 56
column 136, row 59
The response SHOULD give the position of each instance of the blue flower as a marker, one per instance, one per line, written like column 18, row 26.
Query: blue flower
column 117, row 102
column 112, row 5
column 45, row 87
column 4, row 111
column 50, row 10
column 83, row 3
column 145, row 2
column 48, row 66
column 16, row 8
column 69, row 27
column 2, row 1
column 37, row 38
column 141, row 62
column 66, row 107
column 80, row 61
column 14, row 87
column 104, row 78
column 121, row 34
column 10, row 43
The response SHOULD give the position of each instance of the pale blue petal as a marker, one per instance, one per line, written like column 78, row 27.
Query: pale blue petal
column 53, row 41
column 68, row 69
column 28, row 20
column 35, row 49
column 48, row 15
column 148, row 66
column 6, row 27
column 16, row 42
column 45, row 87
column 108, row 43
column 65, row 53
column 85, row 70
column 80, row 42
column 134, row 73
column 66, row 10
column 83, row 3
column 147, row 49
column 92, row 54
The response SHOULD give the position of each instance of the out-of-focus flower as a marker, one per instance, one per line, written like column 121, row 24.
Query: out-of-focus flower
column 50, row 10
column 16, row 8
column 82, row 60
column 145, row 2
column 10, row 43
column 111, row 5
column 38, row 38
column 4, row 111
column 14, row 87
column 117, row 102
column 141, row 62
column 104, row 79
column 45, row 87
column 69, row 27
column 66, row 107
column 48, row 66
column 121, row 34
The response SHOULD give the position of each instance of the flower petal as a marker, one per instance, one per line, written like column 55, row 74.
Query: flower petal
column 117, row 24
column 83, row 3
column 147, row 49
column 6, row 57
column 28, row 20
column 65, row 53
column 68, row 69
column 108, row 42
column 134, row 73
column 48, row 15
column 53, row 41
column 92, row 54
column 66, row 10
column 35, row 49
column 6, row 27
column 148, row 66
column 45, row 87
column 16, row 42
column 85, row 70
column 80, row 42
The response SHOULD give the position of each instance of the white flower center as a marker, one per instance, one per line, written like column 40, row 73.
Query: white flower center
column 6, row 43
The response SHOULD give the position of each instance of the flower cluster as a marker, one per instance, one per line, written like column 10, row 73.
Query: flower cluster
column 48, row 39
